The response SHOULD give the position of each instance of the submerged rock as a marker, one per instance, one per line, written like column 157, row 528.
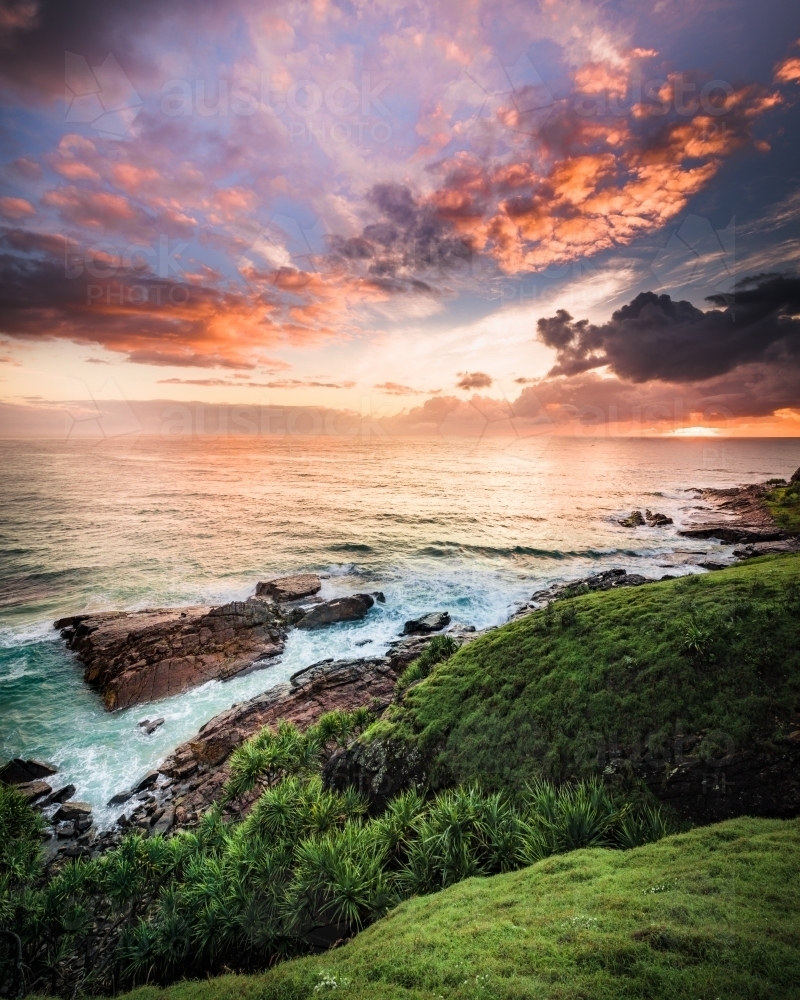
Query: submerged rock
column 433, row 622
column 139, row 656
column 342, row 609
column 150, row 725
column 634, row 520
column 289, row 588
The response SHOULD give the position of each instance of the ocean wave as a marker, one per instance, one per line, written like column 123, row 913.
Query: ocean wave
column 450, row 549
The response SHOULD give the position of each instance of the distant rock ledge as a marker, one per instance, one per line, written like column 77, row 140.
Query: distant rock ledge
column 743, row 515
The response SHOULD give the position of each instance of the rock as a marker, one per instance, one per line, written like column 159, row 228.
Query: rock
column 433, row 622
column 379, row 596
column 164, row 822
column 290, row 588
column 65, row 830
column 150, row 726
column 732, row 533
column 795, row 477
column 321, row 687
column 657, row 520
column 20, row 772
column 33, row 790
column 72, row 810
column 120, row 797
column 740, row 514
column 378, row 770
column 147, row 782
column 139, row 656
column 767, row 548
column 61, row 795
column 634, row 520
column 342, row 609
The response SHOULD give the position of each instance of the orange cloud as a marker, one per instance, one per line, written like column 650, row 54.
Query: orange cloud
column 593, row 182
column 788, row 71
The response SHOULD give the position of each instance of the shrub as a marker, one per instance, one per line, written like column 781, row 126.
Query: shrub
column 440, row 648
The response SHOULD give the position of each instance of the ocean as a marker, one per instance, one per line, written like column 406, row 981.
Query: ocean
column 473, row 528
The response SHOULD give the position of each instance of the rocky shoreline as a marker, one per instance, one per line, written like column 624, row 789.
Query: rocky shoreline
column 135, row 657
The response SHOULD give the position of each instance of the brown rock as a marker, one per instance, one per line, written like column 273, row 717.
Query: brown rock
column 139, row 656
column 33, row 790
column 342, row 609
column 72, row 811
column 737, row 514
column 322, row 687
column 290, row 588
column 657, row 520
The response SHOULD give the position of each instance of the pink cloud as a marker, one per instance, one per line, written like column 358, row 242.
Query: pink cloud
column 16, row 208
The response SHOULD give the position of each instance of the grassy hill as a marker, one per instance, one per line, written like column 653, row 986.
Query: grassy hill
column 715, row 654
column 713, row 913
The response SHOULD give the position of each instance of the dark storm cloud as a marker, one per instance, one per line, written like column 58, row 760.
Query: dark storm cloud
column 656, row 337
column 408, row 249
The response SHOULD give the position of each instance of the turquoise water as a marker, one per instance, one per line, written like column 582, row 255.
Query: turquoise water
column 434, row 524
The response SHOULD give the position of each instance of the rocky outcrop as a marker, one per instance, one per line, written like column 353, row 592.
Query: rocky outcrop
column 191, row 778
column 610, row 579
column 768, row 548
column 636, row 520
column 656, row 520
column 433, row 622
column 133, row 657
column 739, row 514
column 20, row 772
column 342, row 609
column 289, row 588
column 757, row 780
column 379, row 770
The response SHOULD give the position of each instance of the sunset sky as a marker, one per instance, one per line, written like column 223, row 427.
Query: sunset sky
column 566, row 213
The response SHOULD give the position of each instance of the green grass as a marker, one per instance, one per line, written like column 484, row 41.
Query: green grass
column 784, row 505
column 713, row 913
column 541, row 696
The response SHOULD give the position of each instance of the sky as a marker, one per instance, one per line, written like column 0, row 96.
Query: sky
column 567, row 216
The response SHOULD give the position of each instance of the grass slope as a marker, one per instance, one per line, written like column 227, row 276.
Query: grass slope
column 713, row 913
column 539, row 697
column 784, row 505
